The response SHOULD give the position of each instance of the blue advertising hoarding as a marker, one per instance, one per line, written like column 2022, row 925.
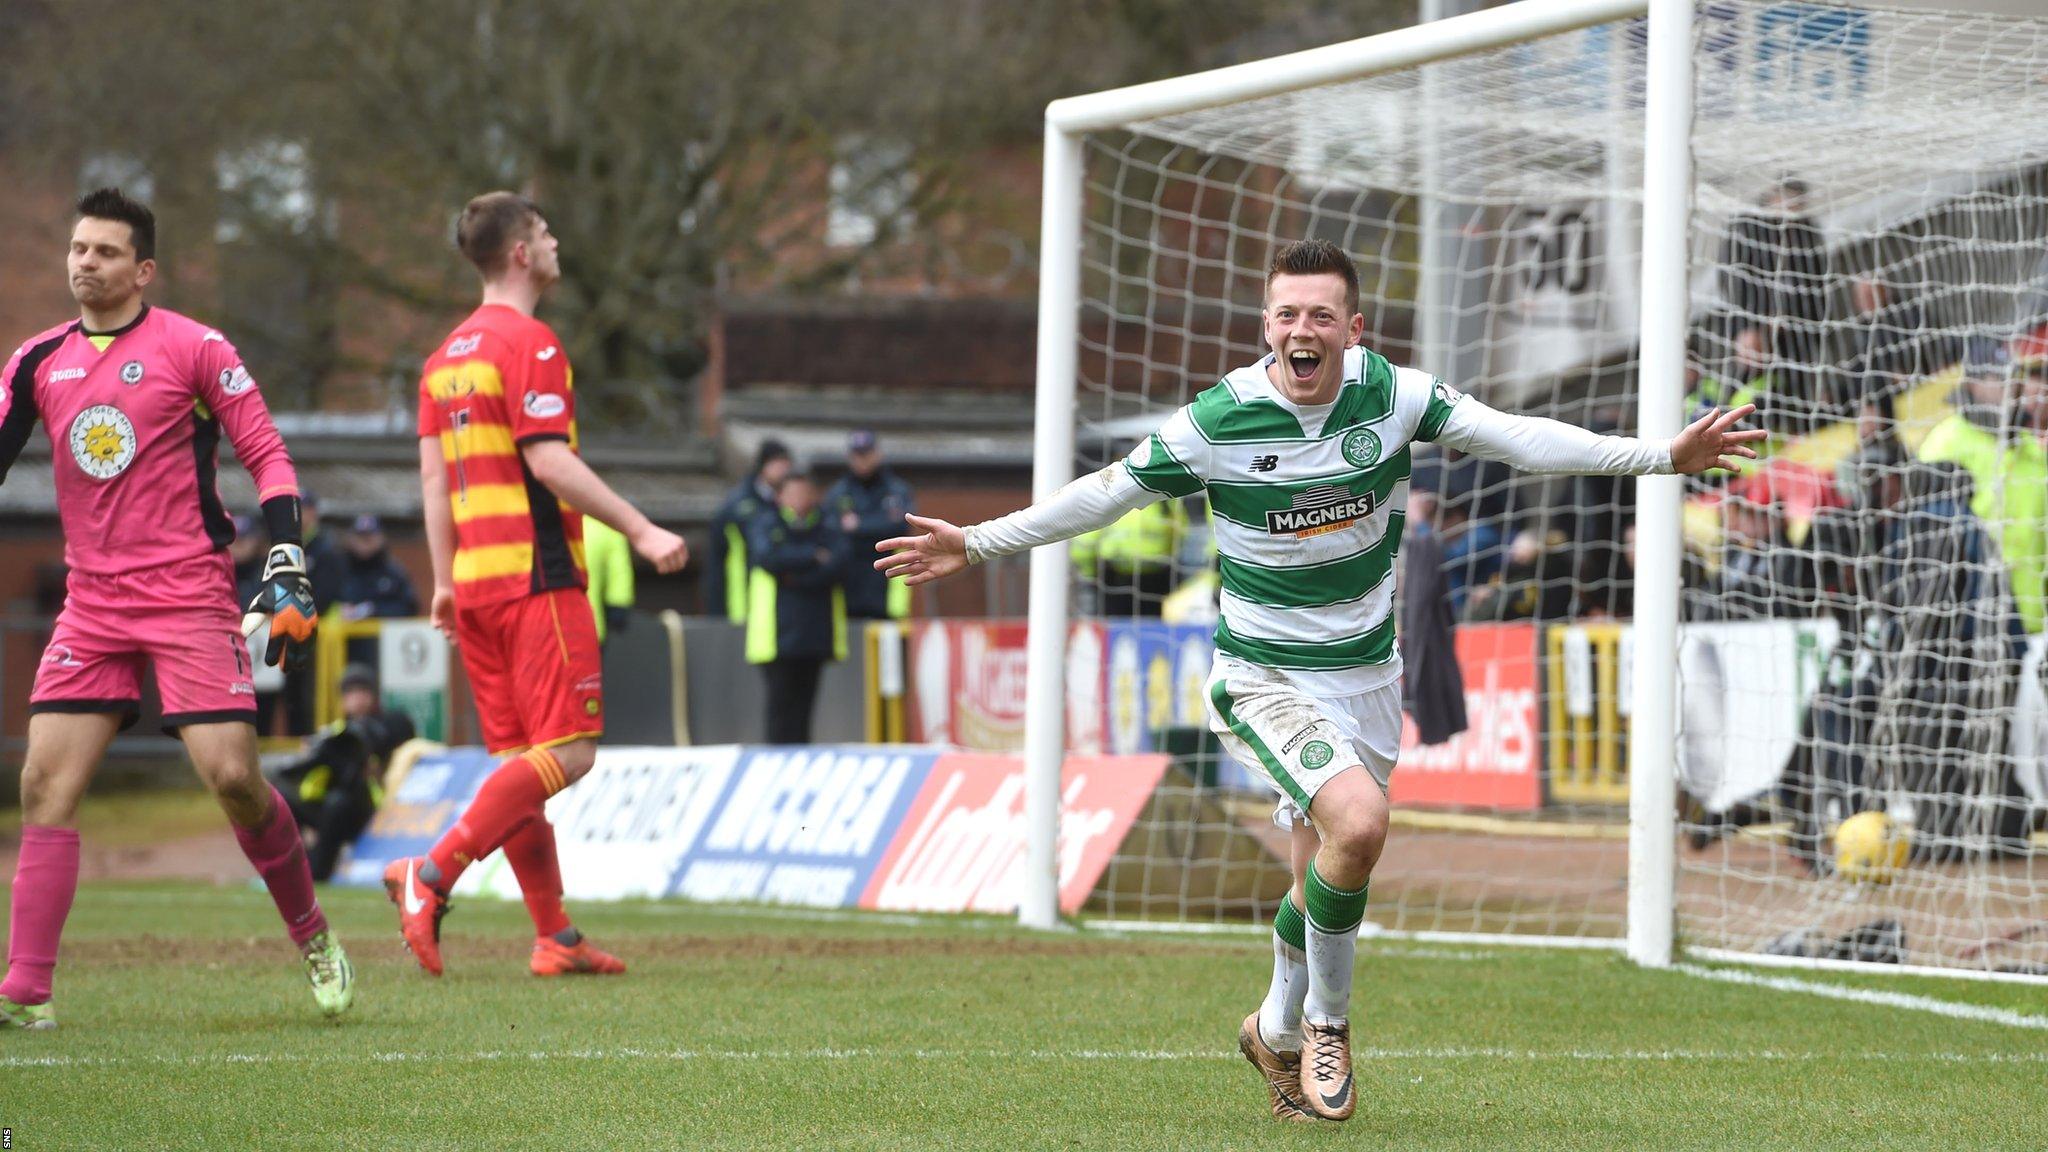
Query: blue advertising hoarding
column 780, row 825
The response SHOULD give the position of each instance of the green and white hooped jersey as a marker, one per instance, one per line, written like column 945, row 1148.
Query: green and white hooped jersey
column 1308, row 504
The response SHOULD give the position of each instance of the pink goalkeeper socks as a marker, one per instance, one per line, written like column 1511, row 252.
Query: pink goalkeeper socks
column 280, row 858
column 45, row 880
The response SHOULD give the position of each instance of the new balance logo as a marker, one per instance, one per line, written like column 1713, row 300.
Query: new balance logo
column 1265, row 463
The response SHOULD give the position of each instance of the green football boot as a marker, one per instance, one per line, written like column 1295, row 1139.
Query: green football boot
column 36, row 1017
column 332, row 976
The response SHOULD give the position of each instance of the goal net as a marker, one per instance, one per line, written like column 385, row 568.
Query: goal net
column 1861, row 611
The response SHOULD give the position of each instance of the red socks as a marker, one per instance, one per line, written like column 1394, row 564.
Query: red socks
column 531, row 852
column 45, row 880
column 279, row 855
column 513, row 795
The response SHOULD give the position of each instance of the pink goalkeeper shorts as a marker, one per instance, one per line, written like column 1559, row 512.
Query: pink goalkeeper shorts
column 182, row 618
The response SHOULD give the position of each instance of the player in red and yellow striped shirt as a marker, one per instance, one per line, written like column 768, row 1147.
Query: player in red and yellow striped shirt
column 505, row 496
column 499, row 384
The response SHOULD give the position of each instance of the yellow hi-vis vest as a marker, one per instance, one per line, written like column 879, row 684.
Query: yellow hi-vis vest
column 735, row 574
column 1145, row 538
column 2011, row 497
column 764, row 639
column 609, row 561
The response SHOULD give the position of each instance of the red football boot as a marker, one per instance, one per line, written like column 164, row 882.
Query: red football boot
column 553, row 958
column 420, row 909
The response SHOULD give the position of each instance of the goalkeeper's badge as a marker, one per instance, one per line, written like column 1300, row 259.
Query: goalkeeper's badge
column 102, row 441
column 1362, row 447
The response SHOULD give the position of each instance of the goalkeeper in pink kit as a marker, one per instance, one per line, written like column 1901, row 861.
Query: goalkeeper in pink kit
column 135, row 400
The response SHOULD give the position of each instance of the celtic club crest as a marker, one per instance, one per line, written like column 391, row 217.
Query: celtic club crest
column 1362, row 447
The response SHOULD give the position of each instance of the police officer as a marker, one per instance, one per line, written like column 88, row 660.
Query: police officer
column 796, row 603
column 371, row 584
column 1995, row 434
column 725, row 577
column 869, row 503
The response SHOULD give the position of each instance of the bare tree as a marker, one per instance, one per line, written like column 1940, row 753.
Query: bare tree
column 322, row 149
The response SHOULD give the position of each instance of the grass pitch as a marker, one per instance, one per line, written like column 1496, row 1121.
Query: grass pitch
column 185, row 1024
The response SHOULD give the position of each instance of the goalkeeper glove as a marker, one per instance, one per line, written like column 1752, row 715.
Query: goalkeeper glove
column 286, row 603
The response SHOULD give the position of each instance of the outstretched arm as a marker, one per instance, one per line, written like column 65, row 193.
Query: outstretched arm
column 1094, row 501
column 1534, row 444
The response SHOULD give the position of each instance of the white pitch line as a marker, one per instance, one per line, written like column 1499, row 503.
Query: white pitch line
column 1820, row 964
column 1948, row 1008
column 685, row 1055
column 806, row 915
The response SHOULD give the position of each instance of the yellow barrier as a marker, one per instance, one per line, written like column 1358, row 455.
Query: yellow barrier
column 883, row 650
column 330, row 660
column 1588, row 732
column 679, row 675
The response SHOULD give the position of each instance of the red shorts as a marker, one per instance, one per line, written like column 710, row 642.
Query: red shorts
column 534, row 666
column 182, row 618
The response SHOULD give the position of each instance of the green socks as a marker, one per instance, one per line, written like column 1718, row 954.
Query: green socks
column 1333, row 918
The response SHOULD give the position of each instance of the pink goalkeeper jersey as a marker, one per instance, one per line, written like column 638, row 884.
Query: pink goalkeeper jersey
column 134, row 436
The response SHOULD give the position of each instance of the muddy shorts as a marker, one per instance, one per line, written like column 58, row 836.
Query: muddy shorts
column 1299, row 742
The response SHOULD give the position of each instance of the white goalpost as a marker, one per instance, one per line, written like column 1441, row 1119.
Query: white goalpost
column 1679, row 692
column 1667, row 176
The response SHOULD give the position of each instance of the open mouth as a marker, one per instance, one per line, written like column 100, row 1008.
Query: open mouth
column 1303, row 362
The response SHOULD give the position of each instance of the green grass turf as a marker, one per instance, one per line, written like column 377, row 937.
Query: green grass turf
column 185, row 1025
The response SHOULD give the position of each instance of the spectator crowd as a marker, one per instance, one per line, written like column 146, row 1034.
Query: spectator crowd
column 1821, row 341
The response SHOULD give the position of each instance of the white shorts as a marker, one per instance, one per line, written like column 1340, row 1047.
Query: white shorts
column 1266, row 722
